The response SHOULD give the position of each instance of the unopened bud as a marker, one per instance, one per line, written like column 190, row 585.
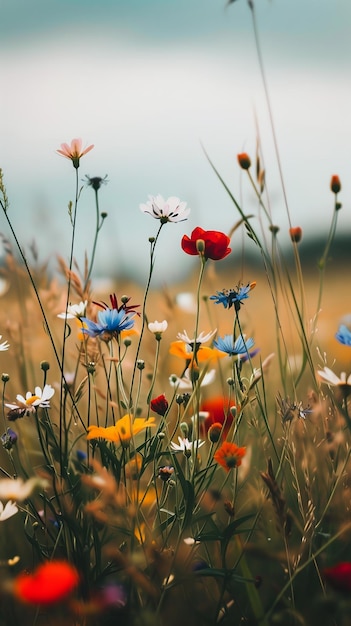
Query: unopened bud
column 200, row 246
column 335, row 184
column 244, row 161
column 295, row 234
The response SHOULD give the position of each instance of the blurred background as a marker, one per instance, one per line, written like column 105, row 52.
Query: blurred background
column 151, row 81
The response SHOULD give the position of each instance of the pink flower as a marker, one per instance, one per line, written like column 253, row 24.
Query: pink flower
column 74, row 151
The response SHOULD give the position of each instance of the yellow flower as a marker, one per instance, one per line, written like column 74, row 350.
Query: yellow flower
column 122, row 432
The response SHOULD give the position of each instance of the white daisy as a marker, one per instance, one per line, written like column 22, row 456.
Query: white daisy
column 38, row 398
column 186, row 383
column 170, row 210
column 74, row 310
column 4, row 345
column 8, row 510
column 185, row 444
column 328, row 376
column 15, row 489
column 201, row 338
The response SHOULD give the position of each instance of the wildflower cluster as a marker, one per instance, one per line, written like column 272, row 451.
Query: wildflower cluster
column 150, row 462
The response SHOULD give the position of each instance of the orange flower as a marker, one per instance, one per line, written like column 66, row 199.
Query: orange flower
column 181, row 349
column 74, row 151
column 122, row 432
column 229, row 455
column 51, row 582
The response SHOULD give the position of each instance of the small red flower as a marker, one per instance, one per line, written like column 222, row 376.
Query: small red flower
column 295, row 234
column 51, row 582
column 339, row 576
column 218, row 413
column 211, row 244
column 159, row 405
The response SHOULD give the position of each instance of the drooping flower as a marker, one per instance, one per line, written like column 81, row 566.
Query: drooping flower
column 344, row 335
column 74, row 152
column 186, row 445
column 170, row 210
column 40, row 398
column 229, row 455
column 17, row 490
column 111, row 323
column 159, row 405
column 8, row 510
column 4, row 345
column 233, row 348
column 339, row 576
column 217, row 410
column 230, row 297
column 74, row 311
column 211, row 244
column 50, row 583
column 123, row 430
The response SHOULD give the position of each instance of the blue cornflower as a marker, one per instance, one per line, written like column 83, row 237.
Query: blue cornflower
column 344, row 335
column 233, row 297
column 231, row 347
column 110, row 321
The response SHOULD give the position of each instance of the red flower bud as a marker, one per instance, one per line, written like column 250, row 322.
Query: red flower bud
column 244, row 161
column 159, row 405
column 335, row 184
column 295, row 234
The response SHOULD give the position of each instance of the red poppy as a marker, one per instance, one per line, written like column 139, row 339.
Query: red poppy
column 212, row 244
column 218, row 413
column 339, row 576
column 51, row 582
column 159, row 405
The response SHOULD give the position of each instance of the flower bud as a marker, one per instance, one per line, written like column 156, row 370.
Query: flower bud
column 184, row 428
column 244, row 161
column 295, row 234
column 200, row 246
column 214, row 432
column 335, row 184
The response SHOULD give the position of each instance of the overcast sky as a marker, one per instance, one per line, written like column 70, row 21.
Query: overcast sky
column 148, row 81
